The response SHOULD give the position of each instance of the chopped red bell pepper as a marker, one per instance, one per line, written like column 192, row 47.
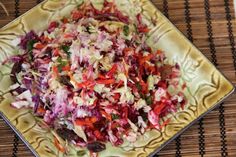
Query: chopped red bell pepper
column 116, row 96
column 86, row 84
column 183, row 104
column 143, row 29
column 56, row 52
column 162, row 84
column 98, row 135
column 158, row 108
column 144, row 86
column 100, row 76
column 125, row 111
column 112, row 71
column 76, row 15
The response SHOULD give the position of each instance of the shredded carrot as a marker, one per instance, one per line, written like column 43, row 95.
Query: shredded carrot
column 39, row 46
column 66, row 68
column 83, row 123
column 112, row 71
column 59, row 146
column 100, row 76
column 106, row 115
column 47, row 39
column 65, row 20
column 86, row 122
column 92, row 119
column 145, row 58
column 41, row 110
column 66, row 36
column 159, row 52
column 144, row 86
column 127, row 50
column 114, row 125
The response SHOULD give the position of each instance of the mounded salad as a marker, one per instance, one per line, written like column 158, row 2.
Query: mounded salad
column 93, row 79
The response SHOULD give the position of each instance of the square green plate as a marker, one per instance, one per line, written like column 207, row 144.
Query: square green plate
column 207, row 87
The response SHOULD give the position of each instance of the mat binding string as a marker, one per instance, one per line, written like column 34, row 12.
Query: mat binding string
column 4, row 8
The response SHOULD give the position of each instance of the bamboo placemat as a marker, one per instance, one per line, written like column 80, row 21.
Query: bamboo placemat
column 211, row 26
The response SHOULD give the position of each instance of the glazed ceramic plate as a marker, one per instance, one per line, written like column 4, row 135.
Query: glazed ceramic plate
column 207, row 87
